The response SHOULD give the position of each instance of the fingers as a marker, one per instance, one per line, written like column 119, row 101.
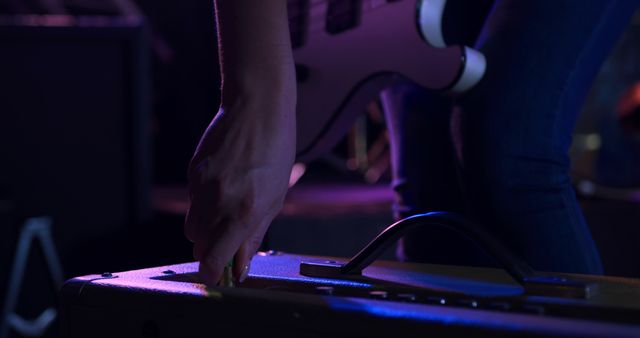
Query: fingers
column 217, row 229
column 218, row 249
column 202, row 198
column 227, row 220
column 190, row 228
column 192, row 220
column 248, row 249
column 197, row 221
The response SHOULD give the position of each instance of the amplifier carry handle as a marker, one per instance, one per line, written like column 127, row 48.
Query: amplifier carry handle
column 532, row 282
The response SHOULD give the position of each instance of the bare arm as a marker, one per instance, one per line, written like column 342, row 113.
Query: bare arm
column 255, row 48
column 239, row 174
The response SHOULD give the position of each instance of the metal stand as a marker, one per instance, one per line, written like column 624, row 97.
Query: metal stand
column 34, row 229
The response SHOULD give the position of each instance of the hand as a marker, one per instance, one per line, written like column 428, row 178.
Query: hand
column 238, row 179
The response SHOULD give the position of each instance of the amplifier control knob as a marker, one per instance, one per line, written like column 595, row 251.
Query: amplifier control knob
column 436, row 300
column 407, row 297
column 325, row 290
column 379, row 294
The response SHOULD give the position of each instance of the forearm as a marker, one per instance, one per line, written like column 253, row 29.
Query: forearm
column 239, row 174
column 255, row 53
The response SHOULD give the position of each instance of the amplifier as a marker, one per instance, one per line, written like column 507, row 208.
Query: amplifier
column 74, row 122
column 289, row 295
column 389, row 298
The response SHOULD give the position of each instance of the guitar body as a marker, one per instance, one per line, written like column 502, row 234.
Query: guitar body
column 339, row 73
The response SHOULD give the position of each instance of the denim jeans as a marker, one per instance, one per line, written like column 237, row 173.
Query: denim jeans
column 499, row 153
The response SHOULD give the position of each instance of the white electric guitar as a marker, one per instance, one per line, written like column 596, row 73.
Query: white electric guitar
column 347, row 51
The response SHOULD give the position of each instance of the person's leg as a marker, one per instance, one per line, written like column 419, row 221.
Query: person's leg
column 516, row 125
column 423, row 171
column 422, row 158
